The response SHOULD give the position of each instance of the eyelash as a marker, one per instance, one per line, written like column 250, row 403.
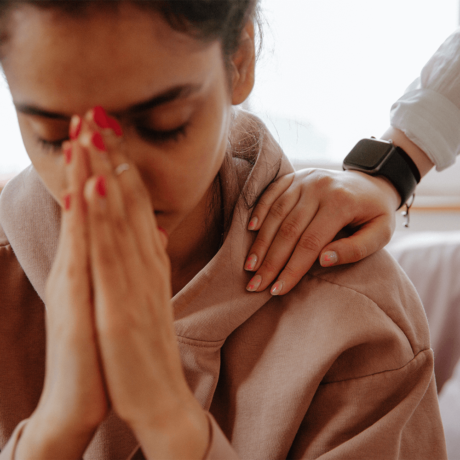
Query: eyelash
column 161, row 137
column 148, row 134
column 51, row 146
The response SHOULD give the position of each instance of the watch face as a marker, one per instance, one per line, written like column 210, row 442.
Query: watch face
column 368, row 154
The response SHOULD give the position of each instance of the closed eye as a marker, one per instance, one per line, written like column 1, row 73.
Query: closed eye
column 159, row 137
column 51, row 146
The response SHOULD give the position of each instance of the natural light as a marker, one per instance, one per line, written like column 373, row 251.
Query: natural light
column 328, row 75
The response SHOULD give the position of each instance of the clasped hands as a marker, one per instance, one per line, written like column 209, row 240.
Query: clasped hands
column 110, row 335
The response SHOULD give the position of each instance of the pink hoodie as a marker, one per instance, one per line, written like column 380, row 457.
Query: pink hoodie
column 339, row 368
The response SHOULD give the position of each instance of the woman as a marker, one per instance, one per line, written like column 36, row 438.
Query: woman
column 341, row 367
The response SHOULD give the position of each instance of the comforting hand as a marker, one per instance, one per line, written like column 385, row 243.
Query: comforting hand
column 301, row 213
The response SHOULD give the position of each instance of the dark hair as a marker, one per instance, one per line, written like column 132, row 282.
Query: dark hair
column 207, row 20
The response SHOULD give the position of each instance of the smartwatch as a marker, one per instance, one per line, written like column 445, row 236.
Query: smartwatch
column 381, row 158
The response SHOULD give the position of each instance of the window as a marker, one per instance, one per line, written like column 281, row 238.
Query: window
column 331, row 69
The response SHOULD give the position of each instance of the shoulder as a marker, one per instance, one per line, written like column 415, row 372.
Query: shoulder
column 380, row 280
column 362, row 319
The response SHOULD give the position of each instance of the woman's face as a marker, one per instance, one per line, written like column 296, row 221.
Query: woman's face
column 153, row 79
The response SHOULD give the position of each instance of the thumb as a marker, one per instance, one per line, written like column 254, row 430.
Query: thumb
column 370, row 238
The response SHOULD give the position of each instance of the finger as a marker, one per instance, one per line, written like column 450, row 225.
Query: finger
column 138, row 207
column 99, row 121
column 74, row 209
column 370, row 238
column 104, row 146
column 280, row 230
column 268, row 198
column 112, row 248
column 322, row 230
column 72, row 253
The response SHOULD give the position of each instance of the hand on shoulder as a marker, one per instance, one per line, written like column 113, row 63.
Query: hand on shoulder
column 299, row 216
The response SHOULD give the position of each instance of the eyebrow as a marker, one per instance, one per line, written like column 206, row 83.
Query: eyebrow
column 169, row 95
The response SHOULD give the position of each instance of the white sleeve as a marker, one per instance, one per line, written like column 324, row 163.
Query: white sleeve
column 429, row 111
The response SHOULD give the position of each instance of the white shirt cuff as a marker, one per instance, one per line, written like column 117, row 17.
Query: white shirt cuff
column 431, row 122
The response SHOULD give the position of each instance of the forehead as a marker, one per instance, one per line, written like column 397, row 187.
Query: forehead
column 107, row 57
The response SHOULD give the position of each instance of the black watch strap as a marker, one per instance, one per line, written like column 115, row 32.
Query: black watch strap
column 402, row 172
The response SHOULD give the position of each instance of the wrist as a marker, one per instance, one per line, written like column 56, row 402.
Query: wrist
column 44, row 439
column 385, row 186
column 181, row 432
column 418, row 156
column 386, row 160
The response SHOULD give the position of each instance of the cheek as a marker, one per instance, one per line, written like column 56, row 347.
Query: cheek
column 183, row 178
column 180, row 186
column 50, row 166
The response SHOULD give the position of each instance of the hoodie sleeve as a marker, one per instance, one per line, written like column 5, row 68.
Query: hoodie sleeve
column 390, row 415
column 429, row 111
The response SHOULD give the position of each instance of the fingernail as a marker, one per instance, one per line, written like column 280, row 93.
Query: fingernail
column 329, row 258
column 67, row 202
column 254, row 283
column 100, row 117
column 253, row 223
column 68, row 154
column 277, row 288
column 75, row 127
column 116, row 127
column 251, row 262
column 98, row 142
column 101, row 186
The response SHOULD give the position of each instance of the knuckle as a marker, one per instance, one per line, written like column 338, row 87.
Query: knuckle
column 324, row 181
column 278, row 210
column 292, row 273
column 269, row 267
column 358, row 252
column 260, row 244
column 271, row 187
column 310, row 242
column 263, row 203
column 341, row 200
column 290, row 231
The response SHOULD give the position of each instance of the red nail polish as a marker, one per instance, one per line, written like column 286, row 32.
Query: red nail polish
column 75, row 127
column 67, row 202
column 116, row 127
column 98, row 142
column 68, row 154
column 100, row 186
column 161, row 229
column 100, row 117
